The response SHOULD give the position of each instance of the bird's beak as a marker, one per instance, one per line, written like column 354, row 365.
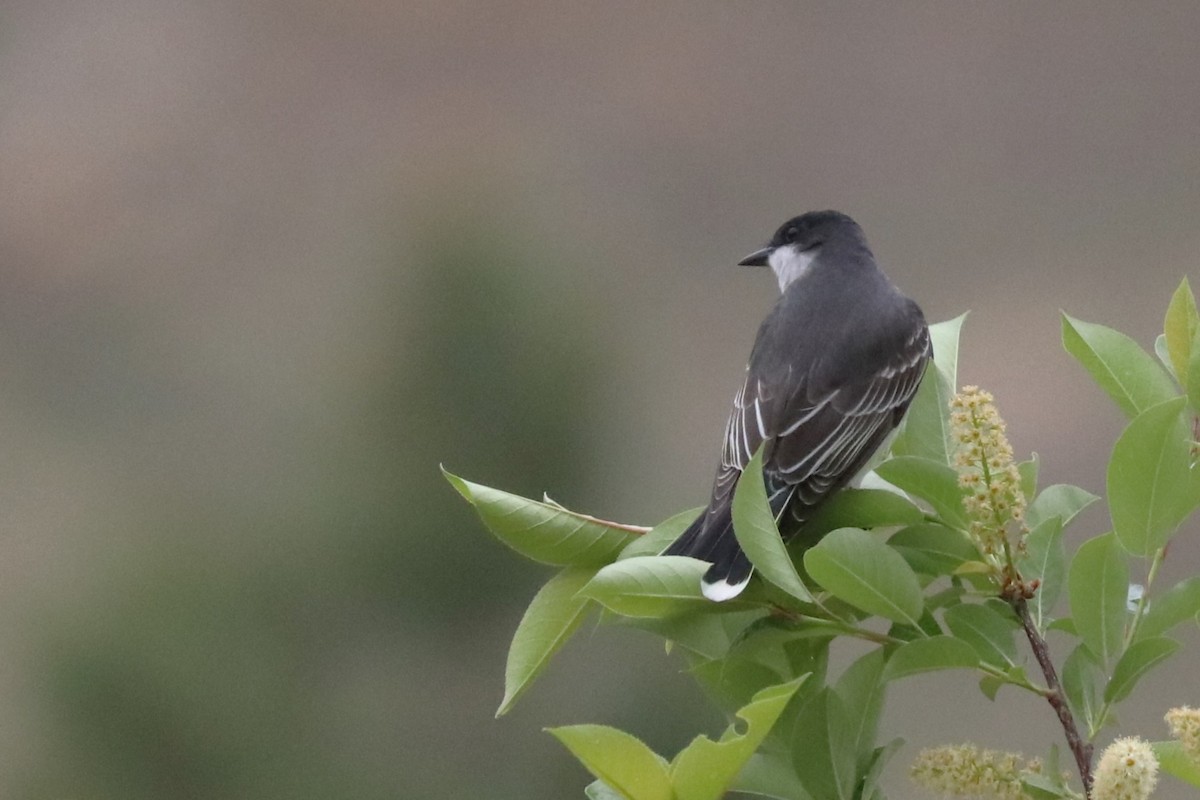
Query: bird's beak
column 757, row 259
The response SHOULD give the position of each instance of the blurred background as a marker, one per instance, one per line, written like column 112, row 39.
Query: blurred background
column 264, row 265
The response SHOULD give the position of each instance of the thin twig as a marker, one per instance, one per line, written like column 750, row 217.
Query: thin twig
column 1081, row 749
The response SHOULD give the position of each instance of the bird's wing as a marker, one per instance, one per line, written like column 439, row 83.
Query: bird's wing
column 751, row 422
column 822, row 438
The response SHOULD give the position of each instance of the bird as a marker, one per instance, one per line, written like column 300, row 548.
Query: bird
column 833, row 369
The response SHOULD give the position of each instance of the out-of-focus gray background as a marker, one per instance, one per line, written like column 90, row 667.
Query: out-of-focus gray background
column 263, row 266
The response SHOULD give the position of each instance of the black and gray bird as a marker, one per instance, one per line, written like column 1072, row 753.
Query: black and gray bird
column 834, row 367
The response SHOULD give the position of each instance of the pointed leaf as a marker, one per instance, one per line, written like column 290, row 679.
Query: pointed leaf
column 840, row 733
column 543, row 531
column 1175, row 761
column 704, row 633
column 862, row 690
column 878, row 760
column 930, row 655
column 1080, row 676
column 755, row 529
column 1192, row 387
column 1028, row 471
column 927, row 432
column 862, row 508
column 653, row 586
column 1149, row 479
column 1180, row 328
column 990, row 686
column 618, row 759
column 936, row 484
column 661, row 535
column 1164, row 357
column 1045, row 560
column 1124, row 370
column 1142, row 656
column 553, row 615
column 933, row 549
column 770, row 775
column 926, row 429
column 856, row 567
column 1043, row 787
column 705, row 769
column 1178, row 604
column 985, row 630
column 821, row 747
column 1097, row 586
column 945, row 336
column 1060, row 500
column 599, row 790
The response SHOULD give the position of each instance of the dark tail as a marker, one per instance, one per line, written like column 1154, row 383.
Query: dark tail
column 710, row 538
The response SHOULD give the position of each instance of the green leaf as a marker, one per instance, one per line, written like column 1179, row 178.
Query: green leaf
column 705, row 769
column 989, row 633
column 554, row 614
column 1043, row 787
column 1060, row 500
column 1164, row 357
column 1180, row 328
column 754, row 527
column 840, row 736
column 823, row 759
column 861, row 690
column 1080, row 675
column 1193, row 385
column 1046, row 561
column 653, row 586
column 770, row 775
column 879, row 758
column 1124, row 370
column 936, row 484
column 933, row 549
column 930, row 655
column 618, row 759
column 856, row 567
column 990, row 686
column 926, row 429
column 1149, row 480
column 732, row 682
column 862, row 508
column 1029, row 475
column 1142, row 656
column 1048, row 783
column 700, row 631
column 543, row 531
column 945, row 336
column 664, row 533
column 1175, row 761
column 1097, row 587
column 599, row 790
column 927, row 432
column 1178, row 604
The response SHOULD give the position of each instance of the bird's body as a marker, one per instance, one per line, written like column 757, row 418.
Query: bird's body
column 833, row 369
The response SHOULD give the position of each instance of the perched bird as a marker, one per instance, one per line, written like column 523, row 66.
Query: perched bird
column 834, row 367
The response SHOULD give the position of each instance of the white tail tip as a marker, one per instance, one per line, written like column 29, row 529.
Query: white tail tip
column 722, row 590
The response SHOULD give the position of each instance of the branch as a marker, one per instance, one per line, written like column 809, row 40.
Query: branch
column 1082, row 750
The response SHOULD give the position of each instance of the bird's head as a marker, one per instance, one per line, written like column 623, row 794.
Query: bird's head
column 800, row 241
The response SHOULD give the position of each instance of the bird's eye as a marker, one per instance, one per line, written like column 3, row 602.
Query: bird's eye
column 791, row 234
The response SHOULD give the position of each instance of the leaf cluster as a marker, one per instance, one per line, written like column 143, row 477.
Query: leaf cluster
column 893, row 565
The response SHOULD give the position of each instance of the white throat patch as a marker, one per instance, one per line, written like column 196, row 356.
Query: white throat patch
column 789, row 265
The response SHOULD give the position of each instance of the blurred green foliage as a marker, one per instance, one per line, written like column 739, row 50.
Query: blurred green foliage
column 327, row 651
